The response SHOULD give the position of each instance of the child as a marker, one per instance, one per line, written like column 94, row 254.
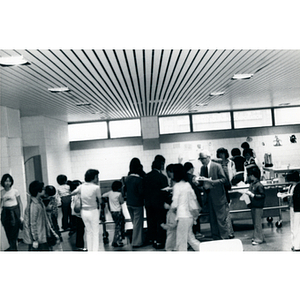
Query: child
column 249, row 162
column 115, row 201
column 50, row 203
column 293, row 195
column 64, row 193
column 170, row 227
column 256, row 193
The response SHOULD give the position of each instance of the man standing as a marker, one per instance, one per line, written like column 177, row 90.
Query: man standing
column 212, row 178
column 155, row 181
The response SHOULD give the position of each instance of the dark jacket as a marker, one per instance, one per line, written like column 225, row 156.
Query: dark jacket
column 296, row 198
column 154, row 183
column 258, row 190
column 134, row 190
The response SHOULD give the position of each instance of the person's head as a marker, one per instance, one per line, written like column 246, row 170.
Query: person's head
column 248, row 153
column 235, row 152
column 245, row 145
column 91, row 175
column 156, row 164
column 61, row 179
column 222, row 153
column 116, row 186
column 159, row 158
column 74, row 184
column 135, row 166
column 293, row 176
column 50, row 190
column 169, row 170
column 188, row 167
column 253, row 173
column 179, row 173
column 36, row 188
column 204, row 157
column 7, row 181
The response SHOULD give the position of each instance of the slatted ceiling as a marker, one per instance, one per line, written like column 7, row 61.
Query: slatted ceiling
column 134, row 83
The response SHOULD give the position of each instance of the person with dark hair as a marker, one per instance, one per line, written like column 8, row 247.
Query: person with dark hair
column 191, row 178
column 115, row 201
column 63, row 191
column 76, row 219
column 249, row 162
column 293, row 195
column 134, row 189
column 170, row 174
column 12, row 211
column 239, row 161
column 49, row 200
column 257, row 196
column 155, row 197
column 90, row 195
column 182, row 195
column 35, row 219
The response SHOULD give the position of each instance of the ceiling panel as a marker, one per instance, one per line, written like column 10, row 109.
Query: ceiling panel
column 124, row 83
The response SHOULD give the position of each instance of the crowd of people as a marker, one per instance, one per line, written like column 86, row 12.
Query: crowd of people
column 172, row 203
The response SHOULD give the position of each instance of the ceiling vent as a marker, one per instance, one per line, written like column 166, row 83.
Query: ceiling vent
column 59, row 89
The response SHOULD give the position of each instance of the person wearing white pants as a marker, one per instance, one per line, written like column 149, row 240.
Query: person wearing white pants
column 91, row 199
column 90, row 219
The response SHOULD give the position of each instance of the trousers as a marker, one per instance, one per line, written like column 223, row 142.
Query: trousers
column 257, row 214
column 90, row 219
column 295, row 228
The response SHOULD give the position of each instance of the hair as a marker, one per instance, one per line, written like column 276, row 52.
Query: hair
column 179, row 173
column 293, row 176
column 245, row 145
column 160, row 158
column 35, row 187
column 169, row 168
column 116, row 185
column 187, row 166
column 61, row 179
column 235, row 152
column 134, row 166
column 248, row 151
column 222, row 150
column 204, row 153
column 74, row 184
column 4, row 177
column 50, row 190
column 156, row 164
column 255, row 171
column 90, row 174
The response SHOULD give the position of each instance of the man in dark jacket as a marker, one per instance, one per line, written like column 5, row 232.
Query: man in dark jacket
column 155, row 181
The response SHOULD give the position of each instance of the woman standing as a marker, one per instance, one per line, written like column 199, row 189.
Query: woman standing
column 12, row 211
column 90, row 195
column 134, row 190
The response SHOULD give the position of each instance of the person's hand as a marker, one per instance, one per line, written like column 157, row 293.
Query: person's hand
column 35, row 244
column 250, row 194
column 21, row 219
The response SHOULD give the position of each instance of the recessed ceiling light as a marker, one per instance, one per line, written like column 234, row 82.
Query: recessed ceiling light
column 241, row 76
column 201, row 104
column 58, row 89
column 216, row 94
column 13, row 61
column 193, row 110
column 284, row 104
column 84, row 104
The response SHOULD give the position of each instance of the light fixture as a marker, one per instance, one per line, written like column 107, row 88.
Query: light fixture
column 58, row 89
column 284, row 104
column 216, row 94
column 84, row 104
column 13, row 61
column 201, row 104
column 241, row 76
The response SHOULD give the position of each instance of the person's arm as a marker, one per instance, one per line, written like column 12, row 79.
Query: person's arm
column 98, row 195
column 121, row 199
column 21, row 207
column 34, row 212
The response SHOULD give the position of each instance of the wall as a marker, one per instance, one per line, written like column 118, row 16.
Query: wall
column 113, row 159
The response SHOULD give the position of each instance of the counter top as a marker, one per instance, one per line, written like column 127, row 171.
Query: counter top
column 264, row 183
column 282, row 169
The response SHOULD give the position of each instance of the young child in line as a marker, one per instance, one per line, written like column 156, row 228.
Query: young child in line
column 63, row 191
column 256, row 194
column 170, row 226
column 115, row 200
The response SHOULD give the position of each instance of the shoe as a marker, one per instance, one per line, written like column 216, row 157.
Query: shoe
column 117, row 244
column 231, row 236
column 256, row 243
column 81, row 249
column 160, row 246
column 199, row 235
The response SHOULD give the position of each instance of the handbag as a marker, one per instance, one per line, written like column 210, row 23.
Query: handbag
column 77, row 205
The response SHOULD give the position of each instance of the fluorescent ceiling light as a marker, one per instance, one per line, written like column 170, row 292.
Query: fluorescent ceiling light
column 58, row 89
column 241, row 76
column 201, row 104
column 13, row 61
column 216, row 94
column 83, row 104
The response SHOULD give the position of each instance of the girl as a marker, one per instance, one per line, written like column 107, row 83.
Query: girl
column 12, row 211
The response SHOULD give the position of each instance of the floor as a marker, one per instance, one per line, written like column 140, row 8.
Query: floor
column 277, row 239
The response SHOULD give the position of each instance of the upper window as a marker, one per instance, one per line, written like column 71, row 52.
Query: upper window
column 87, row 131
column 287, row 116
column 174, row 124
column 125, row 128
column 213, row 121
column 252, row 118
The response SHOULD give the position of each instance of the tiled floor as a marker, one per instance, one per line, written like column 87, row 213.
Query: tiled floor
column 277, row 239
